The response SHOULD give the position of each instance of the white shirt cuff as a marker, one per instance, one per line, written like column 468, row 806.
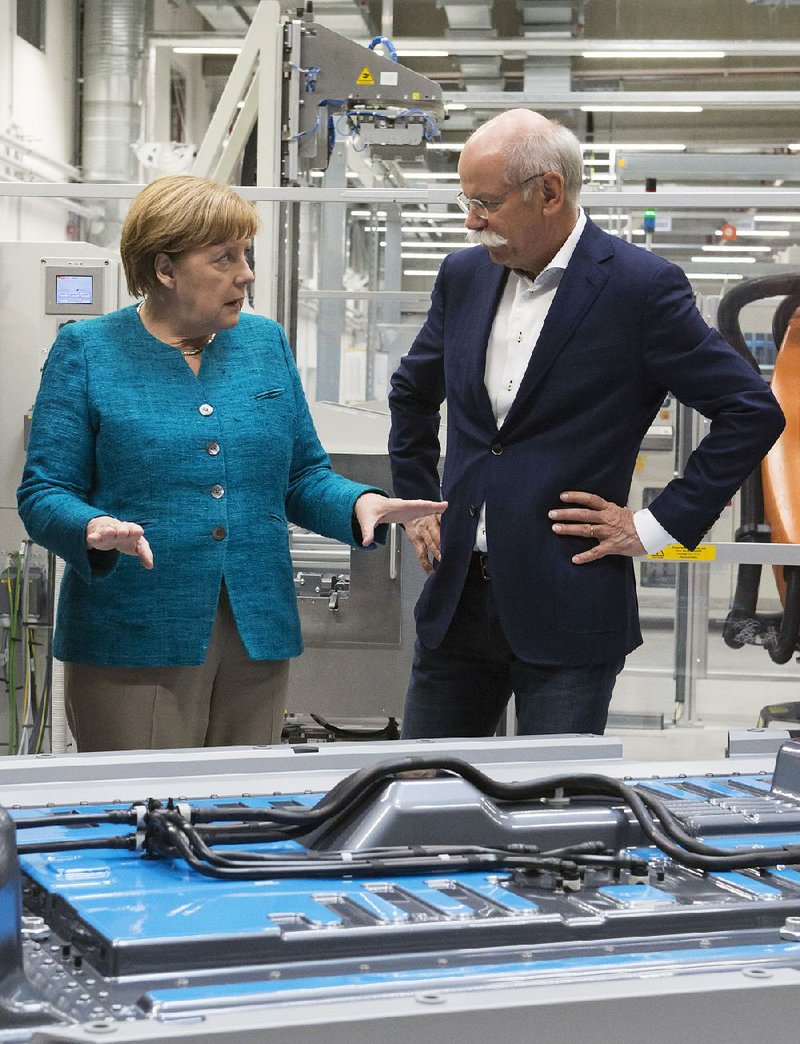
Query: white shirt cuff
column 651, row 533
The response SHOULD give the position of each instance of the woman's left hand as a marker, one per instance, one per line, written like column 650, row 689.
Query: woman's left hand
column 372, row 509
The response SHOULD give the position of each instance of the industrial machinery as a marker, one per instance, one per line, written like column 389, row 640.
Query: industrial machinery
column 454, row 891
column 770, row 504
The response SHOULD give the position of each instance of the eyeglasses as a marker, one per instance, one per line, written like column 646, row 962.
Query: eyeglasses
column 482, row 208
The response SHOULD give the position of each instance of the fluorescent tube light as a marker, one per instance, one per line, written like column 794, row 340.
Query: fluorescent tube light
column 414, row 52
column 728, row 260
column 720, row 249
column 642, row 146
column 432, row 215
column 714, row 275
column 641, row 108
column 429, row 175
column 207, row 50
column 644, row 54
column 423, row 257
column 759, row 233
column 433, row 245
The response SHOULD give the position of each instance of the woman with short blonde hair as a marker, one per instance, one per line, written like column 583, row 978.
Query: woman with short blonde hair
column 171, row 447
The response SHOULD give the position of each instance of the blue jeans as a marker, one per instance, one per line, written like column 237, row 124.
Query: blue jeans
column 462, row 687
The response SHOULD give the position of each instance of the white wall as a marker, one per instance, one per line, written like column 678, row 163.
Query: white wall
column 37, row 105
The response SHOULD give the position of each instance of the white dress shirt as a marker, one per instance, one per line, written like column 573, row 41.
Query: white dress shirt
column 517, row 325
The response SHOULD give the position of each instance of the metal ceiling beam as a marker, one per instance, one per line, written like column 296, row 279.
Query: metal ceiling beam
column 687, row 198
column 577, row 99
column 522, row 46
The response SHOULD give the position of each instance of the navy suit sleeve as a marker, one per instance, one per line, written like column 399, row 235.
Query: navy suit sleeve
column 702, row 370
column 417, row 392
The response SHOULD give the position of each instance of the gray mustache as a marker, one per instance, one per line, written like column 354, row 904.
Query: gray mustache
column 485, row 238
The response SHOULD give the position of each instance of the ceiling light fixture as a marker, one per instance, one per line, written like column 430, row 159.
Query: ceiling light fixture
column 728, row 260
column 641, row 108
column 428, row 175
column 434, row 245
column 414, row 52
column 759, row 233
column 642, row 146
column 412, row 255
column 720, row 249
column 429, row 231
column 714, row 275
column 207, row 50
column 650, row 54
column 432, row 215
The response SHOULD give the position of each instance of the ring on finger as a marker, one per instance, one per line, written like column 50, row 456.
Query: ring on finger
column 591, row 532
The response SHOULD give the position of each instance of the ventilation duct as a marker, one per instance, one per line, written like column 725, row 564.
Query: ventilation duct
column 113, row 44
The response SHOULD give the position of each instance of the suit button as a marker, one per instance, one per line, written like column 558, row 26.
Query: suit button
column 218, row 532
column 212, row 449
column 497, row 449
column 473, row 510
column 217, row 492
column 206, row 409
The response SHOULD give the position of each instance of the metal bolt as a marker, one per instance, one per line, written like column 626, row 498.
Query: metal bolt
column 791, row 928
column 757, row 973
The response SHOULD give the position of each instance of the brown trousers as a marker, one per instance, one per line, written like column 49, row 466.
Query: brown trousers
column 229, row 700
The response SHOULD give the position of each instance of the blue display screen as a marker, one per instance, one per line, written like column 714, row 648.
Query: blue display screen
column 74, row 289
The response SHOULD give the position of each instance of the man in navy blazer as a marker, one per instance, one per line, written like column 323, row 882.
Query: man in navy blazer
column 554, row 345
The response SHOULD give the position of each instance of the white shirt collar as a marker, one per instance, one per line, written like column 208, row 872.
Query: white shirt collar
column 564, row 255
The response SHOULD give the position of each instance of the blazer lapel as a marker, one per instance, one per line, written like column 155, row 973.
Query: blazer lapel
column 583, row 279
column 488, row 286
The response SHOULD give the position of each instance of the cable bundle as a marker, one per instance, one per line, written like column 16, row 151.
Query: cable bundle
column 28, row 703
column 191, row 832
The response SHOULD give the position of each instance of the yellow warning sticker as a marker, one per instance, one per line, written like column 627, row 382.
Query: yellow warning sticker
column 365, row 78
column 679, row 553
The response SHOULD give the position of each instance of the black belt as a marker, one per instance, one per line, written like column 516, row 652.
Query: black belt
column 479, row 565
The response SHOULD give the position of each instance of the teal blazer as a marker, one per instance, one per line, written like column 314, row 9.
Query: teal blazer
column 214, row 467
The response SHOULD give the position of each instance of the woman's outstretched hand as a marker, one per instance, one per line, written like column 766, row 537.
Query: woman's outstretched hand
column 105, row 533
column 372, row 509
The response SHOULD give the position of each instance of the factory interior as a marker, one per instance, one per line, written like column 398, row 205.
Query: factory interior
column 627, row 885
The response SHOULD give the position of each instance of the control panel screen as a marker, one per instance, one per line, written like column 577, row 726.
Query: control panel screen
column 74, row 289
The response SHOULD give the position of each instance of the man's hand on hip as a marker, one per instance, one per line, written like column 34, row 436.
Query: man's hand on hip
column 601, row 520
column 424, row 534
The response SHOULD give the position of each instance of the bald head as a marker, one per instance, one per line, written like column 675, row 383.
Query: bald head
column 526, row 142
column 509, row 127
